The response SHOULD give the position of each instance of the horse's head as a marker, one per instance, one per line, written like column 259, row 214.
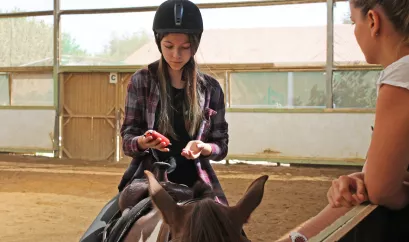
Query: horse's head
column 203, row 219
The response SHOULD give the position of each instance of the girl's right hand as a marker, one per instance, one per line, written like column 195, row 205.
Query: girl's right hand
column 146, row 142
column 347, row 191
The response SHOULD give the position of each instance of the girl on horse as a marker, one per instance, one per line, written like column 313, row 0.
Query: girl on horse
column 172, row 97
column 382, row 32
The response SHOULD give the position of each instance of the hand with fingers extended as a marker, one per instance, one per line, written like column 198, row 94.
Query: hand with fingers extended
column 154, row 140
column 195, row 148
column 347, row 191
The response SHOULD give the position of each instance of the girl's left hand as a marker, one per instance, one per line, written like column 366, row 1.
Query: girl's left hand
column 195, row 148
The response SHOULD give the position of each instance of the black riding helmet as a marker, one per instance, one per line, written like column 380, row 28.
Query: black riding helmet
column 177, row 16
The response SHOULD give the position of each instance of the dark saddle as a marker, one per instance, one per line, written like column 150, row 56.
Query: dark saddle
column 134, row 202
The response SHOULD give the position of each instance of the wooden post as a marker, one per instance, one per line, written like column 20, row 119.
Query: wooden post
column 56, row 64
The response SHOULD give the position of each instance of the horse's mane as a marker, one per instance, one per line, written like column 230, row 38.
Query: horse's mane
column 208, row 220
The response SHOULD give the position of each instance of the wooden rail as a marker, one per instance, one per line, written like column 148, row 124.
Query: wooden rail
column 344, row 224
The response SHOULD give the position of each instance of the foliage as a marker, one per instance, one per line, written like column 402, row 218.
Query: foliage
column 29, row 41
column 24, row 40
column 351, row 89
column 69, row 46
column 355, row 89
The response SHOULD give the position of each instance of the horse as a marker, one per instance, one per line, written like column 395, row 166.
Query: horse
column 136, row 218
column 202, row 219
column 155, row 209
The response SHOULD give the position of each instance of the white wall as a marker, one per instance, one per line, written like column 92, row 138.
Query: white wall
column 26, row 129
column 327, row 135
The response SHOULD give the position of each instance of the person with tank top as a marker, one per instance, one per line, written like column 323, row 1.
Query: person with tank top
column 382, row 32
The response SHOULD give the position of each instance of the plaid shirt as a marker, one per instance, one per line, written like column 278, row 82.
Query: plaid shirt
column 141, row 102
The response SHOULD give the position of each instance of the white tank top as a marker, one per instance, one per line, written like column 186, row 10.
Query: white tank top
column 396, row 74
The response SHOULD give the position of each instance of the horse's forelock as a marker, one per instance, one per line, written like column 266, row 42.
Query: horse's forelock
column 209, row 221
column 202, row 190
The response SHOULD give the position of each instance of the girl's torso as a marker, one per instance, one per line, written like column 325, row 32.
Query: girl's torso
column 185, row 172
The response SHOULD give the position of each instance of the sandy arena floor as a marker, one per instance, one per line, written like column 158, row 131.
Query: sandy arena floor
column 44, row 199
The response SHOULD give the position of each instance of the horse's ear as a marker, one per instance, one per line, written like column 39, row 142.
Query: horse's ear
column 162, row 200
column 251, row 199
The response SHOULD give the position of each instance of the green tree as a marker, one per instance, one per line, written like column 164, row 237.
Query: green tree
column 355, row 89
column 316, row 99
column 29, row 41
column 351, row 89
column 69, row 46
column 24, row 41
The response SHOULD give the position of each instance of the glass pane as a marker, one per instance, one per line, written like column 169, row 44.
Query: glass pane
column 4, row 90
column 104, row 39
column 265, row 35
column 259, row 89
column 30, row 89
column 89, row 4
column 355, row 89
column 278, row 89
column 26, row 41
column 26, row 5
column 346, row 48
column 309, row 89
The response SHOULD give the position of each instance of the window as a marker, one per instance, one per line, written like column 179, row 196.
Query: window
column 346, row 48
column 106, row 39
column 26, row 5
column 265, row 34
column 26, row 41
column 355, row 89
column 30, row 89
column 89, row 4
column 309, row 89
column 4, row 90
column 278, row 89
column 259, row 89
column 259, row 34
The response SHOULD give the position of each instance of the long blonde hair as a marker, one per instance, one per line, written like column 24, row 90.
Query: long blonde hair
column 193, row 92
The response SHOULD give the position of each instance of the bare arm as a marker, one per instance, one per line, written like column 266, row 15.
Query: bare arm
column 323, row 219
column 388, row 155
column 316, row 224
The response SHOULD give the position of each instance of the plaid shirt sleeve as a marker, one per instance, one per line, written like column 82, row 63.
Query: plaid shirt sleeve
column 218, row 137
column 134, row 123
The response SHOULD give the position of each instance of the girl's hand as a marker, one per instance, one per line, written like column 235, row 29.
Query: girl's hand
column 347, row 191
column 146, row 142
column 195, row 148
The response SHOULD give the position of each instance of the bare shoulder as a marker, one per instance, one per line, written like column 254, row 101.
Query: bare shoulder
column 392, row 118
column 393, row 100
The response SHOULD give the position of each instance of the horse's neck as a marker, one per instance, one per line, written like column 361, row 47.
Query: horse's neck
column 163, row 235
